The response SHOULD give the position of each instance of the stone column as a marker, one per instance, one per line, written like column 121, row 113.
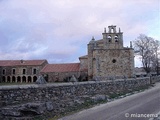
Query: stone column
column 31, row 79
column 21, row 79
column 5, row 79
column 15, row 79
column 11, row 79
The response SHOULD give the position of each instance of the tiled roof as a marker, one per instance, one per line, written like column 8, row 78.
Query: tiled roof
column 68, row 67
column 21, row 62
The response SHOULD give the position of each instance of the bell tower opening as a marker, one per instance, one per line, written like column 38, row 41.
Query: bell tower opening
column 112, row 29
column 112, row 39
column 116, row 38
column 109, row 38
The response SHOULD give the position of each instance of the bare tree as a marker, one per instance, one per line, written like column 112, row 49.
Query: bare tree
column 147, row 48
column 155, row 59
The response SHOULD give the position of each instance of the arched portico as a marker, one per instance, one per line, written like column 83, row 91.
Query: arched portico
column 24, row 79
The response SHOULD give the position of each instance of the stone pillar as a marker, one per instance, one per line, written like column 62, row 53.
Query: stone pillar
column 31, row 79
column 5, row 78
column 11, row 79
column 21, row 79
column 15, row 79
column 26, row 79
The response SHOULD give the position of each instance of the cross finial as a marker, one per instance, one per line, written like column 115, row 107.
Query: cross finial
column 93, row 38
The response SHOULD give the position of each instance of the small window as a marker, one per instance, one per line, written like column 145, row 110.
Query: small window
column 13, row 71
column 4, row 71
column 34, row 71
column 113, row 61
column 24, row 71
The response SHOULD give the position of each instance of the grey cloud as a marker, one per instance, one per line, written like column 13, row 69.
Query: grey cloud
column 56, row 30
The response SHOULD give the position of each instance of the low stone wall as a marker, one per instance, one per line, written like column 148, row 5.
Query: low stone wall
column 155, row 79
column 62, row 96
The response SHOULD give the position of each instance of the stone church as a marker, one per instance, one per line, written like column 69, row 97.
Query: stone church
column 108, row 57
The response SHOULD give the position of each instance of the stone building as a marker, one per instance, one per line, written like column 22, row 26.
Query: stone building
column 20, row 70
column 108, row 57
column 61, row 72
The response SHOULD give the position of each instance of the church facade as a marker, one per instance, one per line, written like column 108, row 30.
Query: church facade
column 108, row 57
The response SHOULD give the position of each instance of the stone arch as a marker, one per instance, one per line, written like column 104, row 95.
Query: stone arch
column 34, row 78
column 8, row 79
column 18, row 79
column 24, row 79
column 13, row 79
column 29, row 79
column 3, row 79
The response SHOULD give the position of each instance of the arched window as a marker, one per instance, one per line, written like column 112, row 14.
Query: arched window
column 34, row 71
column 13, row 71
column 4, row 71
column 24, row 71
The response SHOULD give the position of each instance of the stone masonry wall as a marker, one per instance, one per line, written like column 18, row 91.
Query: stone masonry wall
column 61, row 77
column 62, row 96
column 119, row 62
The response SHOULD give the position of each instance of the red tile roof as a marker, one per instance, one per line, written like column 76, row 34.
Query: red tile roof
column 21, row 62
column 68, row 67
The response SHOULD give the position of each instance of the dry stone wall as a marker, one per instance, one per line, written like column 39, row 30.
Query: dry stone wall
column 60, row 97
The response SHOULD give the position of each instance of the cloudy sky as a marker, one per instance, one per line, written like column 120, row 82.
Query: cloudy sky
column 59, row 30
